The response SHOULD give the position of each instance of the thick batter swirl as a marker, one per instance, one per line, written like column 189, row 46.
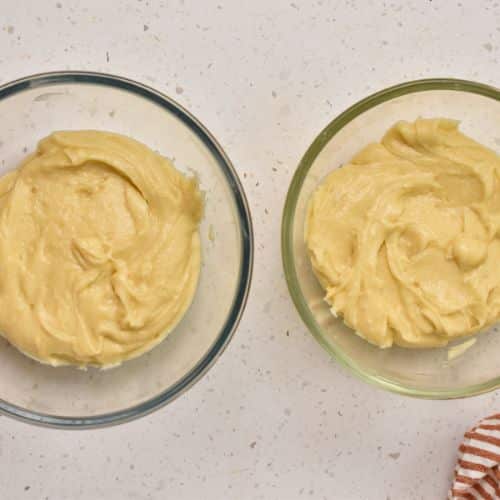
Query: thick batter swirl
column 405, row 239
column 99, row 249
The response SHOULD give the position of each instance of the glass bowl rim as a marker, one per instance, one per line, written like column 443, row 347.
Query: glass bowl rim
column 137, row 89
column 287, row 252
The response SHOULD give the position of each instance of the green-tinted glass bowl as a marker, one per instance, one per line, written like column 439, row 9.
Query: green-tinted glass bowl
column 426, row 373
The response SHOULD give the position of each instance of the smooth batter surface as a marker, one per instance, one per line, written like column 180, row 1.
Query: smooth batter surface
column 99, row 249
column 405, row 239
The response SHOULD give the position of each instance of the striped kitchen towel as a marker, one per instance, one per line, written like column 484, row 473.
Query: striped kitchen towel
column 477, row 474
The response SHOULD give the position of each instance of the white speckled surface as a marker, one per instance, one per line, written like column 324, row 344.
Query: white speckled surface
column 275, row 418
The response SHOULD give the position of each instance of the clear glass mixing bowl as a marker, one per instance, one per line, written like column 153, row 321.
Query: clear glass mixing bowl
column 436, row 373
column 33, row 107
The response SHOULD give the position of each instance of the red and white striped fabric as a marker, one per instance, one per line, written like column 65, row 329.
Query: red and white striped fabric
column 477, row 474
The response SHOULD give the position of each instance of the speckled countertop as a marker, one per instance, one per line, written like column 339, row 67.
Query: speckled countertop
column 275, row 418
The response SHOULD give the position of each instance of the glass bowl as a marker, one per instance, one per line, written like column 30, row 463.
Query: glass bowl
column 33, row 107
column 435, row 373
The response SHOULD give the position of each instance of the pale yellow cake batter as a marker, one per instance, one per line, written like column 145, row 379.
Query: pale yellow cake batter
column 405, row 239
column 99, row 249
